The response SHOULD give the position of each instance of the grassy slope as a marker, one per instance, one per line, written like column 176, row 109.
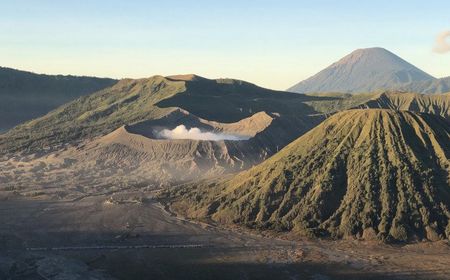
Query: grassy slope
column 361, row 172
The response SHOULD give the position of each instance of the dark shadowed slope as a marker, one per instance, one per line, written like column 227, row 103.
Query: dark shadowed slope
column 364, row 70
column 372, row 173
column 26, row 95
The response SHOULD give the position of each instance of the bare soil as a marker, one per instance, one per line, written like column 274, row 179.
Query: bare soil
column 129, row 235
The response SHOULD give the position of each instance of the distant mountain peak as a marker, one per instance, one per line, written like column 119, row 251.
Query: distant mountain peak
column 363, row 70
column 359, row 54
column 377, row 57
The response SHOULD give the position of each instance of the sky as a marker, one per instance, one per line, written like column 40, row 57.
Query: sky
column 272, row 43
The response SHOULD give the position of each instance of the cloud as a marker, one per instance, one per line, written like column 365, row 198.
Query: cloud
column 194, row 133
column 442, row 44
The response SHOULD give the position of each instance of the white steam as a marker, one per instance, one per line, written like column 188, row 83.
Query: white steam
column 442, row 44
column 181, row 132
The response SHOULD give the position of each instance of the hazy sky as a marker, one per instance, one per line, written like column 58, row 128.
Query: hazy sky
column 271, row 43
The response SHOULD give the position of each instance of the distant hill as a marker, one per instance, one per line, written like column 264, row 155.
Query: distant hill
column 26, row 95
column 367, row 70
column 369, row 173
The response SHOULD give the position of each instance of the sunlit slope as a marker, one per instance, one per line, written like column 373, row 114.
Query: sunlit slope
column 373, row 173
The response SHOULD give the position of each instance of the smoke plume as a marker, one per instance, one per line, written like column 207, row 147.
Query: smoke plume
column 194, row 133
column 442, row 44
